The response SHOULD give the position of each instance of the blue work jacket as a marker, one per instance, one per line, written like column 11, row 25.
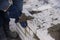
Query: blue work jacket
column 3, row 4
column 15, row 10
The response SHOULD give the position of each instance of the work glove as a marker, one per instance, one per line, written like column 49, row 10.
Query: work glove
column 23, row 20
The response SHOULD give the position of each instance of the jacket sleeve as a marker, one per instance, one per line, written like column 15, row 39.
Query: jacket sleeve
column 18, row 4
column 16, row 9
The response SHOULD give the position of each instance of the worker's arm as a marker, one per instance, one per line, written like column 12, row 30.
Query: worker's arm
column 6, row 4
column 18, row 4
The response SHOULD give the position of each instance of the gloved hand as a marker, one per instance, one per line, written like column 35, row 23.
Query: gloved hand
column 23, row 18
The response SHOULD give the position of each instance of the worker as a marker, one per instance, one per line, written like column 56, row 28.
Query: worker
column 8, row 11
column 4, row 19
column 15, row 11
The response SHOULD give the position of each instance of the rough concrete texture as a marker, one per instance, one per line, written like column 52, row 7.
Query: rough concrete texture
column 46, row 13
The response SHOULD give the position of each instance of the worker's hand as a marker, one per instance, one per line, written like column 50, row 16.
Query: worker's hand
column 23, row 17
